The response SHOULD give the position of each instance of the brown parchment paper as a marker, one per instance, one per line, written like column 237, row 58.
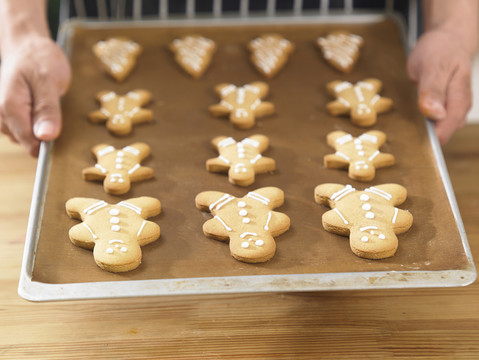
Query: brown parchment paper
column 180, row 140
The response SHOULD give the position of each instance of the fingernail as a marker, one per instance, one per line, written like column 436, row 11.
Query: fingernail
column 43, row 130
column 436, row 109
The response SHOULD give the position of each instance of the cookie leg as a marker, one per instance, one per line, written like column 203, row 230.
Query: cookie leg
column 117, row 255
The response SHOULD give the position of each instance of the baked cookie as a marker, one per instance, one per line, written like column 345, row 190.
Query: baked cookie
column 370, row 218
column 119, row 168
column 241, row 160
column 269, row 53
column 118, row 56
column 248, row 223
column 120, row 113
column 361, row 101
column 193, row 53
column 114, row 232
column 360, row 155
column 242, row 104
column 341, row 49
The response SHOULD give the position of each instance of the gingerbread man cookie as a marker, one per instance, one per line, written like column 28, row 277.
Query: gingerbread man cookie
column 242, row 104
column 361, row 101
column 118, row 56
column 121, row 112
column 242, row 160
column 248, row 223
column 341, row 49
column 119, row 168
column 269, row 53
column 369, row 217
column 114, row 232
column 361, row 155
column 193, row 53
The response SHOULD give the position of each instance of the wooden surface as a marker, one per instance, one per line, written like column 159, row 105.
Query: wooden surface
column 399, row 324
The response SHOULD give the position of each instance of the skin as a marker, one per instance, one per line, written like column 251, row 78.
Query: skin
column 35, row 73
column 440, row 63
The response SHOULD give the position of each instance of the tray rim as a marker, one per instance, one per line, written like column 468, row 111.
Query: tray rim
column 40, row 291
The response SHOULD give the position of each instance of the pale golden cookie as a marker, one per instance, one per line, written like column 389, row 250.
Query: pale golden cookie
column 242, row 104
column 248, row 223
column 241, row 160
column 361, row 101
column 120, row 113
column 370, row 218
column 341, row 49
column 114, row 232
column 193, row 53
column 360, row 155
column 119, row 168
column 269, row 53
column 118, row 56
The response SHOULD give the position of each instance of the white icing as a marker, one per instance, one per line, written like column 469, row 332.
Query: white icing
column 243, row 212
column 382, row 236
column 101, row 168
column 396, row 211
column 344, row 156
column 244, row 244
column 90, row 230
column 123, row 249
column 114, row 220
column 341, row 216
column 241, row 204
column 115, row 228
column 343, row 192
column 258, row 197
column 109, row 251
column 243, row 235
column 267, row 221
column 364, row 239
column 141, row 228
column 364, row 197
column 259, row 242
column 130, row 206
column 368, row 228
column 366, row 207
column 379, row 192
column 376, row 153
column 223, row 223
column 246, row 220
column 369, row 215
column 133, row 169
column 96, row 206
column 344, row 139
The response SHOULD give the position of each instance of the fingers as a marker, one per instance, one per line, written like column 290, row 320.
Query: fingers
column 432, row 90
column 46, row 110
column 458, row 104
column 15, row 109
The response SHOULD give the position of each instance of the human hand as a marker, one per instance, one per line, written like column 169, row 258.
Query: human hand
column 440, row 64
column 34, row 74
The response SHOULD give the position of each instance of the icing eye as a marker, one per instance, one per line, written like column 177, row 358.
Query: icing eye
column 382, row 236
column 259, row 242
column 109, row 251
column 364, row 239
column 244, row 245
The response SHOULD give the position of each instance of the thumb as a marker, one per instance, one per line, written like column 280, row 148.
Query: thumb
column 47, row 121
column 432, row 90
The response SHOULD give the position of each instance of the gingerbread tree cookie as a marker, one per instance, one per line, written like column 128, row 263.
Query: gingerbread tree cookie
column 341, row 49
column 370, row 218
column 120, row 113
column 114, row 232
column 118, row 56
column 248, row 223
column 361, row 155
column 242, row 104
column 361, row 101
column 269, row 53
column 242, row 160
column 119, row 168
column 193, row 53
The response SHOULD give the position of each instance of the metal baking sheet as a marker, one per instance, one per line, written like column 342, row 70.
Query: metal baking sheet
column 433, row 253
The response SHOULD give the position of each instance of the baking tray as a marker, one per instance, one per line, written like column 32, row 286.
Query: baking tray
column 433, row 253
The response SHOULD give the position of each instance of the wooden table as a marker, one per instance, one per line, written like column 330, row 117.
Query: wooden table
column 386, row 324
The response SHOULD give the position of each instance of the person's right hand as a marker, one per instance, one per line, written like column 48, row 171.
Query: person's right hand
column 34, row 74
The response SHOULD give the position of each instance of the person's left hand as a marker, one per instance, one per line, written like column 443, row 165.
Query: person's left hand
column 441, row 66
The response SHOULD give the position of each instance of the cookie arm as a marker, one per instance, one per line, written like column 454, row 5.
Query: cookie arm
column 383, row 160
column 147, row 232
column 97, row 117
column 337, row 108
column 143, row 148
column 261, row 87
column 204, row 199
column 76, row 206
column 149, row 206
column 278, row 224
column 273, row 194
column 142, row 173
column 216, row 228
column 376, row 83
column 219, row 109
column 402, row 221
column 398, row 192
column 323, row 193
column 383, row 104
column 217, row 165
column 141, row 116
column 334, row 161
column 83, row 236
column 264, row 108
column 142, row 96
column 93, row 174
column 263, row 142
column 264, row 164
column 333, row 136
